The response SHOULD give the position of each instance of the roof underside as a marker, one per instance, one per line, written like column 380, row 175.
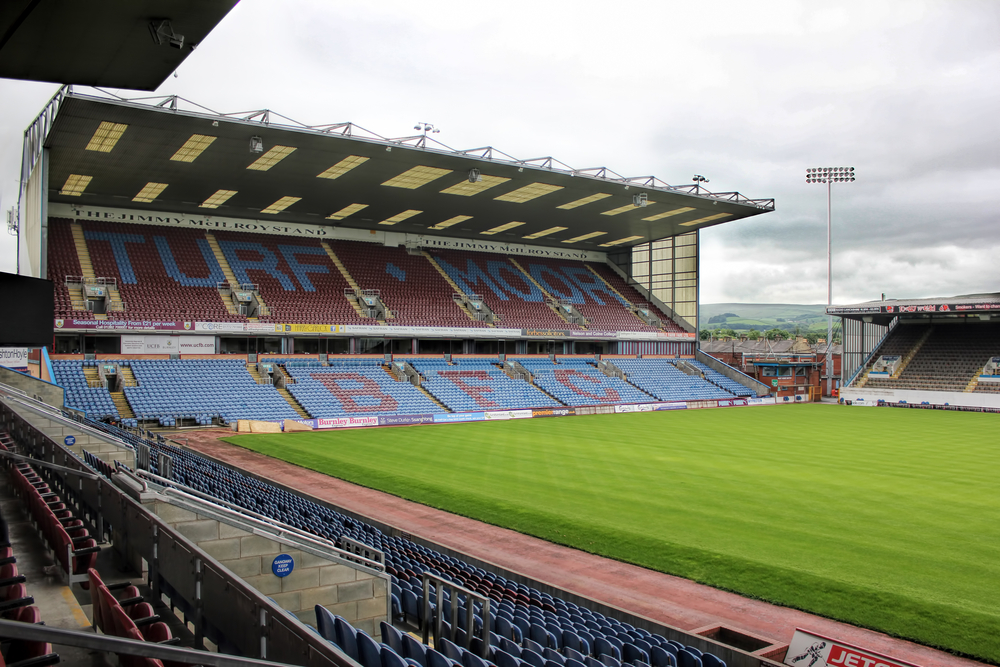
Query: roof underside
column 549, row 212
column 105, row 43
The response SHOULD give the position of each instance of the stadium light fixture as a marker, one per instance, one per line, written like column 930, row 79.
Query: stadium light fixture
column 698, row 180
column 256, row 145
column 829, row 176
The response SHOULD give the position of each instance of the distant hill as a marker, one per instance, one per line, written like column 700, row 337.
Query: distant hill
column 763, row 316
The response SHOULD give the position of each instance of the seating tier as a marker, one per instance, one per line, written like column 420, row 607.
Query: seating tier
column 203, row 387
column 296, row 278
column 662, row 379
column 351, row 390
column 95, row 401
column 578, row 382
column 478, row 384
column 409, row 285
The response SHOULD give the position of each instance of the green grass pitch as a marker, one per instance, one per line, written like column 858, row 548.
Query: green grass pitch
column 887, row 519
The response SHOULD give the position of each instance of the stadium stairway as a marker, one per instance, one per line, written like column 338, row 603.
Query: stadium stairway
column 93, row 377
column 444, row 408
column 226, row 297
column 451, row 282
column 87, row 271
column 252, row 370
column 86, row 265
column 548, row 296
column 347, row 276
column 284, row 393
column 121, row 404
column 612, row 288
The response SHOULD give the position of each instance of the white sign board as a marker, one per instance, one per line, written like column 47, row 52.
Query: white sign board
column 812, row 650
column 14, row 357
column 140, row 344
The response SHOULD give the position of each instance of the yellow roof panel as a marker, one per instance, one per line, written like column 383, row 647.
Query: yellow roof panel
column 399, row 217
column 75, row 185
column 281, row 205
column 528, row 192
column 451, row 222
column 271, row 158
column 591, row 235
column 342, row 167
column 667, row 214
column 106, row 136
column 586, row 200
column 192, row 148
column 218, row 199
column 707, row 218
column 501, row 228
column 467, row 189
column 346, row 211
column 150, row 192
column 411, row 179
column 545, row 232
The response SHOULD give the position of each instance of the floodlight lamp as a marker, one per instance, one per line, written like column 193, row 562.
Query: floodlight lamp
column 388, row 149
column 475, row 176
column 639, row 200
column 256, row 145
column 215, row 123
column 163, row 33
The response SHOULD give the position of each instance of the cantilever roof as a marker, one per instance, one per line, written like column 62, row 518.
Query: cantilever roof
column 882, row 312
column 106, row 43
column 163, row 158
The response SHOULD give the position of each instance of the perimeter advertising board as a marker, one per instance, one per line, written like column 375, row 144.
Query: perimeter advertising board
column 808, row 649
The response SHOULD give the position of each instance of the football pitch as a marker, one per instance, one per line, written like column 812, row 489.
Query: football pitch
column 883, row 518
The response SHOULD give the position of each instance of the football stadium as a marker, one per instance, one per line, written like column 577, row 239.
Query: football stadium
column 281, row 394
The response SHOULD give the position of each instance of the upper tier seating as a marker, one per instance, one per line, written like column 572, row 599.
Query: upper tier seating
column 95, row 401
column 633, row 295
column 518, row 612
column 594, row 299
column 162, row 273
column 950, row 357
column 504, row 288
column 578, row 382
column 476, row 385
column 662, row 379
column 203, row 387
column 350, row 390
column 62, row 262
column 296, row 278
column 410, row 286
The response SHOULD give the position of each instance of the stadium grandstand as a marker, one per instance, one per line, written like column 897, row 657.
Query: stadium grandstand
column 250, row 272
column 941, row 352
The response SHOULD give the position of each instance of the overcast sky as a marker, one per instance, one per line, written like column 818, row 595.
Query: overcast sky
column 749, row 94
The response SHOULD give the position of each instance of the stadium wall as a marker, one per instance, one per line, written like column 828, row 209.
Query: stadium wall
column 866, row 397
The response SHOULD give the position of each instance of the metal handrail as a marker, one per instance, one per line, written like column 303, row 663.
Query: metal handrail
column 111, row 644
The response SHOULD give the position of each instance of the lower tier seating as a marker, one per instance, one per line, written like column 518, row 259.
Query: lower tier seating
column 339, row 391
column 204, row 387
column 662, row 379
column 95, row 401
column 578, row 382
column 717, row 378
column 478, row 384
